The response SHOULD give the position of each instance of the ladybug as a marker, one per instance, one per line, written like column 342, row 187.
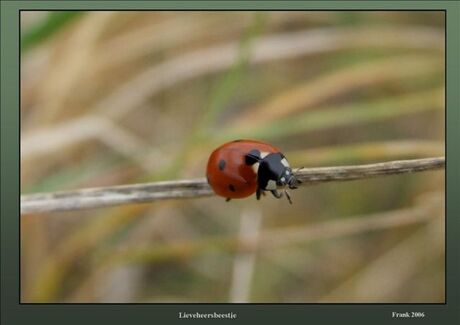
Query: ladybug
column 239, row 168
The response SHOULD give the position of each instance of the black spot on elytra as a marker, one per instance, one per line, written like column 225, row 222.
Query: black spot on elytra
column 221, row 164
column 252, row 157
column 231, row 188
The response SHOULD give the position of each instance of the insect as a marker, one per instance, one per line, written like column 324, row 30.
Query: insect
column 239, row 168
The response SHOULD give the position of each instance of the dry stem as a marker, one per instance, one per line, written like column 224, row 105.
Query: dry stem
column 147, row 192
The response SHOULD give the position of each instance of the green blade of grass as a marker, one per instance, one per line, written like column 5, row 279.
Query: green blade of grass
column 49, row 26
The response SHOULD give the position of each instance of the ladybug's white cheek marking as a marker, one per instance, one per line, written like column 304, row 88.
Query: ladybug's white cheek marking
column 285, row 162
column 255, row 168
column 271, row 185
column 263, row 154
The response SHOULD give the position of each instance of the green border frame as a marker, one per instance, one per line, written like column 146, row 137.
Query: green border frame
column 14, row 313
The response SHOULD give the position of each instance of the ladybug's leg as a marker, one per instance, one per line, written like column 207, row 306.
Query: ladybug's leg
column 288, row 196
column 258, row 192
column 276, row 194
column 227, row 199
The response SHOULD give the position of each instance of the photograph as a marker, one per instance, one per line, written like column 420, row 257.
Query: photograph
column 233, row 157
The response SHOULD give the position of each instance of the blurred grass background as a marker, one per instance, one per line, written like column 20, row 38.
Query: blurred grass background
column 113, row 98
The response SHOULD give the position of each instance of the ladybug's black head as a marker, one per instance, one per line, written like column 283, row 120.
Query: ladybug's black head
column 273, row 171
column 287, row 180
column 285, row 176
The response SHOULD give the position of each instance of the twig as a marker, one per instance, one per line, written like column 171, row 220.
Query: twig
column 349, row 173
column 147, row 192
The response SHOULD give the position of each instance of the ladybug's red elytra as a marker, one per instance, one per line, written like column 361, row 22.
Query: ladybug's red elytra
column 239, row 168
